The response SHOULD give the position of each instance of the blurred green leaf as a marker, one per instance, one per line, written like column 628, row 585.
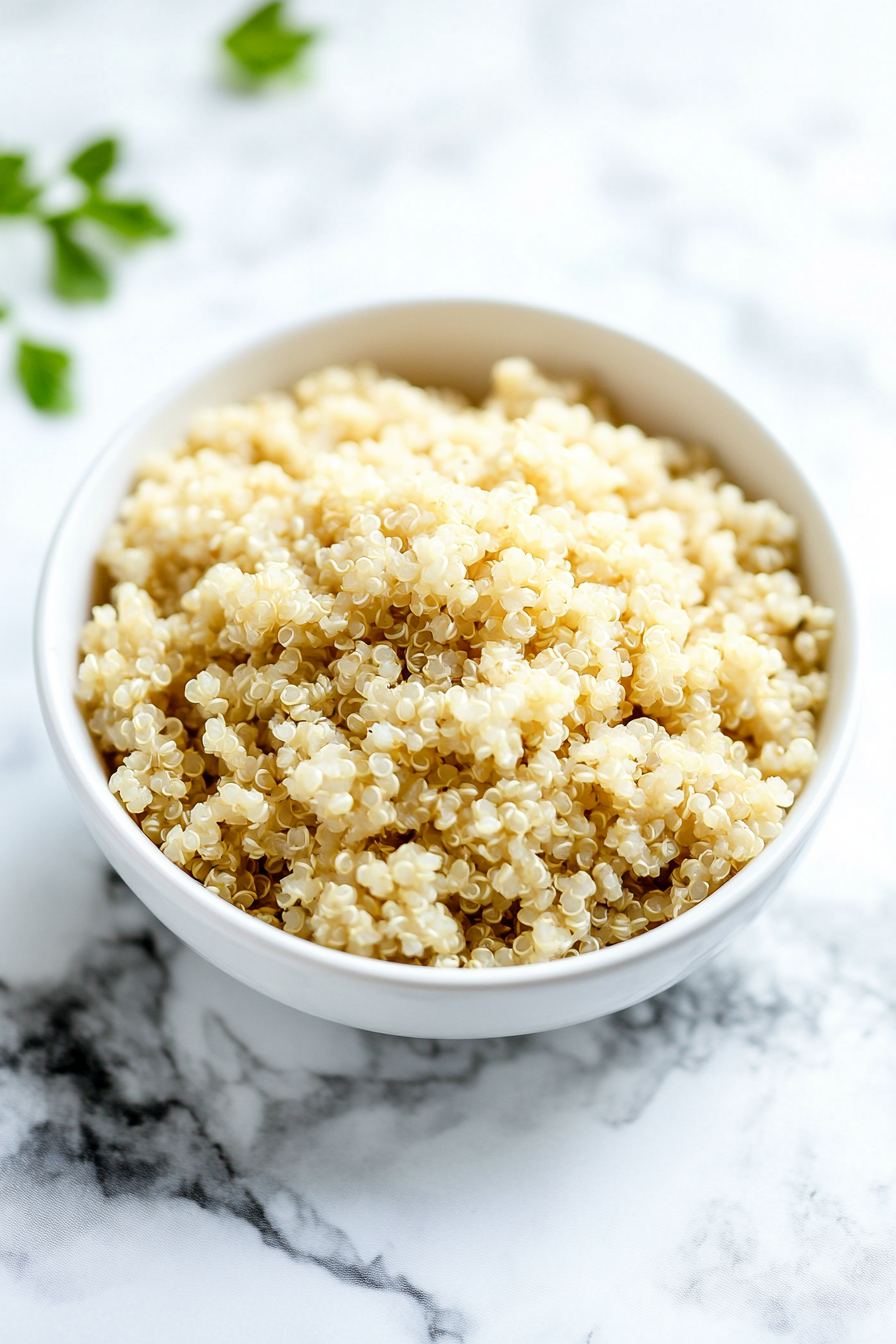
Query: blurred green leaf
column 17, row 194
column 45, row 375
column 136, row 221
column 264, row 45
column 79, row 276
column 95, row 161
column 78, row 271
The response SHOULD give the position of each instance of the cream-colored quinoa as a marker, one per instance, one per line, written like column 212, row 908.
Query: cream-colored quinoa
column 462, row 686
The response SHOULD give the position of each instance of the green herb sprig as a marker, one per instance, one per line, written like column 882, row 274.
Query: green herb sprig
column 45, row 376
column 43, row 372
column 79, row 272
column 264, row 45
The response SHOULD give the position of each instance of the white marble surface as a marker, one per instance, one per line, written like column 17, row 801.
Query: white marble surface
column 181, row 1159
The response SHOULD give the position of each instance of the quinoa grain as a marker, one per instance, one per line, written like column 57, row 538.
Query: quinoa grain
column 452, row 685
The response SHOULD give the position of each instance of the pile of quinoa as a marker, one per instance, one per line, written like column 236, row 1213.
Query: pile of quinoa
column 451, row 685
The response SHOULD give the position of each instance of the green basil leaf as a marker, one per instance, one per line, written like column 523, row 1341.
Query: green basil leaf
column 95, row 161
column 135, row 220
column 264, row 45
column 5, row 311
column 16, row 192
column 79, row 276
column 45, row 375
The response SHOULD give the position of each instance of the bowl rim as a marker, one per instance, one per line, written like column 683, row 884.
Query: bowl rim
column 83, row 769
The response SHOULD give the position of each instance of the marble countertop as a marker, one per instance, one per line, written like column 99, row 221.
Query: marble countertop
column 182, row 1159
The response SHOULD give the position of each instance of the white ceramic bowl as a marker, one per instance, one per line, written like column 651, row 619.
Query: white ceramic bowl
column 455, row 344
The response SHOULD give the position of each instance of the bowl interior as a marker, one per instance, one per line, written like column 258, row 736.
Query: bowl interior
column 448, row 343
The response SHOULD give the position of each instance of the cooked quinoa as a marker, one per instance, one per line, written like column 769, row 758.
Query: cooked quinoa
column 448, row 684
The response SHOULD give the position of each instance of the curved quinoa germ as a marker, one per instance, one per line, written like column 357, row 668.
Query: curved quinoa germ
column 448, row 684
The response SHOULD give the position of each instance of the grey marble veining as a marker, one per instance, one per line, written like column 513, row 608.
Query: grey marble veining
column 113, row 1117
column 181, row 1158
column 124, row 1084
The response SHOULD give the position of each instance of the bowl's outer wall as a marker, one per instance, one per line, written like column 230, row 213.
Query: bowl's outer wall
column 443, row 344
column 518, row 1008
